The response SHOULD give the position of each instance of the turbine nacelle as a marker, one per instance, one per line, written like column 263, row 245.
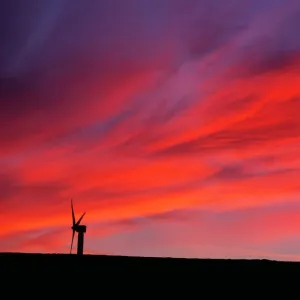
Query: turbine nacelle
column 79, row 228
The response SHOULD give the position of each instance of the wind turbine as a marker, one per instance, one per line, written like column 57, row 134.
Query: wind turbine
column 80, row 229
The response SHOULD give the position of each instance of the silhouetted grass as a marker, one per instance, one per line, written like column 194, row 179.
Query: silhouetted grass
column 39, row 260
column 111, row 272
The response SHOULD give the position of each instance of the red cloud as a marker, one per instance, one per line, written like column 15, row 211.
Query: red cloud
column 217, row 133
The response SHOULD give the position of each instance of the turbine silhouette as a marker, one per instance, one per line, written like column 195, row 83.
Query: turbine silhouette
column 80, row 229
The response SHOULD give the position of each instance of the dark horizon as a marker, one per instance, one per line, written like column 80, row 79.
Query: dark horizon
column 117, row 275
column 141, row 258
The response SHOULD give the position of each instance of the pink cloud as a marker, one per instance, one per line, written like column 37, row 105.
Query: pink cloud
column 204, row 120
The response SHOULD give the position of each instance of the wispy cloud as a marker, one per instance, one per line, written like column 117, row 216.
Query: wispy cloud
column 141, row 109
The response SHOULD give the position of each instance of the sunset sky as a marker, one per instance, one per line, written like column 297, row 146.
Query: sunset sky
column 175, row 124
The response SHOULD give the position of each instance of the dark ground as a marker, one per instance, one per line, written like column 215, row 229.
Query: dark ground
column 136, row 275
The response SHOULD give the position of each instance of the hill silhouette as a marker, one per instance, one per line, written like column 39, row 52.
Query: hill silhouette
column 94, row 272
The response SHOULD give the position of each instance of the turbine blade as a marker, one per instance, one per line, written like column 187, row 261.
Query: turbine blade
column 72, row 241
column 73, row 215
column 78, row 222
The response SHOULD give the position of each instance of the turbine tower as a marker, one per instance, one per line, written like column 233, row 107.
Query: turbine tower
column 80, row 229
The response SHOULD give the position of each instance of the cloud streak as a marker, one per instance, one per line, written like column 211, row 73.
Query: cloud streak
column 173, row 124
